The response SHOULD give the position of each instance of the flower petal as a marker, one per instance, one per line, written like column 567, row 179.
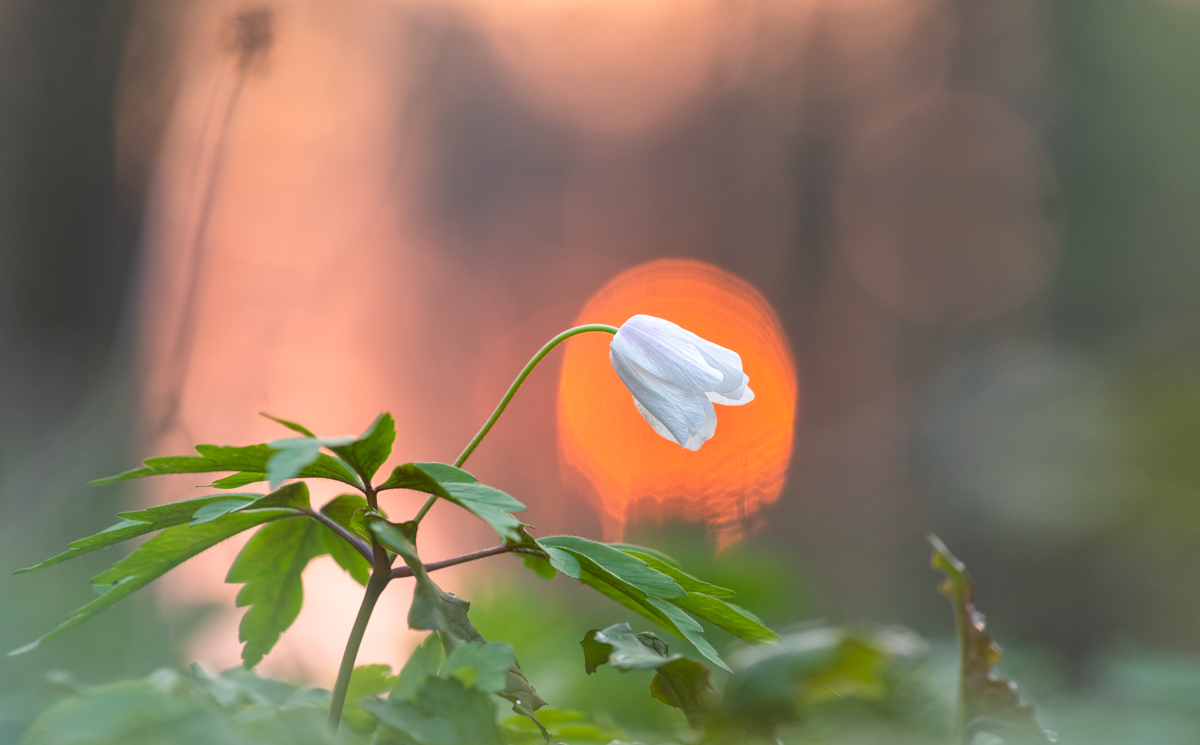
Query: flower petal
column 680, row 411
column 729, row 364
column 747, row 396
column 666, row 351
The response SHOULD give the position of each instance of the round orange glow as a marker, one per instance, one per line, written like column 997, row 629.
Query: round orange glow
column 633, row 472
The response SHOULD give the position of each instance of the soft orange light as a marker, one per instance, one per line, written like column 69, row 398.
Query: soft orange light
column 634, row 473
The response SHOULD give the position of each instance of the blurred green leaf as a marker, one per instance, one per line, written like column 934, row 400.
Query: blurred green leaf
column 683, row 684
column 270, row 566
column 775, row 684
column 290, row 425
column 424, row 661
column 986, row 704
column 443, row 712
column 482, row 665
column 365, row 680
column 156, row 557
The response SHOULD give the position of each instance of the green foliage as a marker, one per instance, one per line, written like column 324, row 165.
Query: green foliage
column 251, row 459
column 987, row 705
column 461, row 488
column 443, row 711
column 678, row 682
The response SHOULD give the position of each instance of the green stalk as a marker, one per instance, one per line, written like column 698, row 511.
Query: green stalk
column 512, row 391
column 381, row 574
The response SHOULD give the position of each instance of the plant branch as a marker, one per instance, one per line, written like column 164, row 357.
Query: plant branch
column 404, row 571
column 357, row 543
column 512, row 391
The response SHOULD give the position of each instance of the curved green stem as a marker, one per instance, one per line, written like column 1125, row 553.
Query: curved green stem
column 512, row 391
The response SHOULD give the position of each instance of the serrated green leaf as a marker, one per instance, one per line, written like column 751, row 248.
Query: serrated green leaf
column 156, row 557
column 214, row 458
column 270, row 566
column 240, row 479
column 135, row 523
column 371, row 449
column 213, row 510
column 442, row 712
column 424, row 661
column 987, row 704
column 628, row 573
column 669, row 567
column 341, row 510
column 484, row 665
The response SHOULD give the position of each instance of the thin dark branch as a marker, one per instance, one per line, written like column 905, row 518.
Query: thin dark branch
column 358, row 544
column 399, row 572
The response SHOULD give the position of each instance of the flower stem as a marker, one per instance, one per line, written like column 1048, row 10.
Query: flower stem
column 381, row 574
column 512, row 391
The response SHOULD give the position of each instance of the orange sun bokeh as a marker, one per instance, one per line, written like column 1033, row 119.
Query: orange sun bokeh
column 633, row 473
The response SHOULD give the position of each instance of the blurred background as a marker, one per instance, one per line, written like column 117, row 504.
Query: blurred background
column 968, row 232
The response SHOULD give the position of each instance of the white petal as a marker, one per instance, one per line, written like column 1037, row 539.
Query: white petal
column 678, row 410
column 746, row 396
column 652, row 420
column 666, row 351
column 729, row 364
column 706, row 431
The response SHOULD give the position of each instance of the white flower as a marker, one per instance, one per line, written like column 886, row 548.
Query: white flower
column 676, row 377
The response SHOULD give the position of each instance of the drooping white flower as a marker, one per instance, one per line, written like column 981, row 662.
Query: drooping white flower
column 676, row 377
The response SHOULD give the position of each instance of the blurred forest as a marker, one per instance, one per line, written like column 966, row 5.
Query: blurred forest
column 976, row 221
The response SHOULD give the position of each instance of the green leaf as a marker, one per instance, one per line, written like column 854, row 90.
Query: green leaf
column 678, row 682
column 443, row 712
column 213, row 458
column 290, row 496
column 270, row 565
column 455, row 485
column 424, row 661
column 683, row 684
column 370, row 680
column 156, row 557
column 619, row 647
column 290, row 425
column 690, row 629
column 627, row 573
column 293, row 456
column 775, row 684
column 425, row 477
column 725, row 615
column 564, row 561
column 133, row 524
column 238, row 480
column 434, row 609
column 212, row 511
column 987, row 704
column 341, row 510
column 484, row 665
column 669, row 567
column 371, row 449
column 539, row 566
